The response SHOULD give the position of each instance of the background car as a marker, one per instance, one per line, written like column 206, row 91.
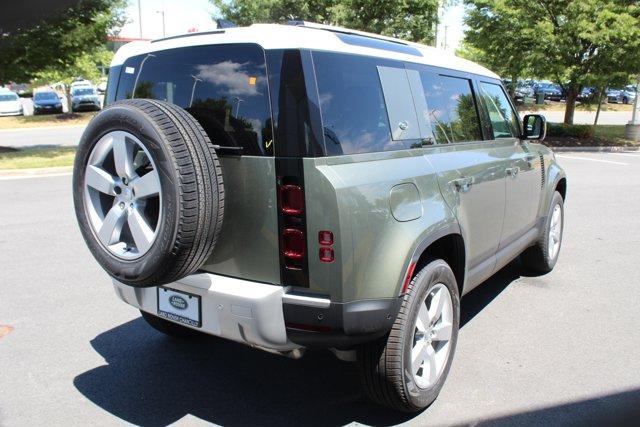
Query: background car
column 552, row 91
column 84, row 98
column 10, row 104
column 46, row 101
column 621, row 96
column 522, row 91
column 586, row 94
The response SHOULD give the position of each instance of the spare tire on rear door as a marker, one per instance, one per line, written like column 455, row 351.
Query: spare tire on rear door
column 148, row 192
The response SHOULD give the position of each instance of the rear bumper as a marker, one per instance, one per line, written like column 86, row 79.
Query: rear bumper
column 11, row 113
column 271, row 316
column 235, row 309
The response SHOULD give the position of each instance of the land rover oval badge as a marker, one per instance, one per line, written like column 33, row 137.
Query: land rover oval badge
column 178, row 302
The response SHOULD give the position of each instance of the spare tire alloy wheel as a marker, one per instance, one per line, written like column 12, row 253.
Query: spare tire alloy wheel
column 148, row 192
column 122, row 186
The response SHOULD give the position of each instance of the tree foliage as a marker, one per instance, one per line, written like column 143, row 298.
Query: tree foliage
column 574, row 42
column 59, row 42
column 413, row 20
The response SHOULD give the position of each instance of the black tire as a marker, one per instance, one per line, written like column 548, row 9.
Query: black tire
column 191, row 185
column 625, row 100
column 537, row 258
column 170, row 328
column 385, row 364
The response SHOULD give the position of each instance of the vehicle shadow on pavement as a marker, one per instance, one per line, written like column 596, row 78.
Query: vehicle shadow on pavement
column 151, row 379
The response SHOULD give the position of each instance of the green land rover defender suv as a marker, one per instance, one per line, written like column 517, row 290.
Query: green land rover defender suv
column 305, row 186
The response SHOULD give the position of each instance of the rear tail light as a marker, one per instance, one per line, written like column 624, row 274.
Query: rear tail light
column 325, row 239
column 293, row 244
column 291, row 199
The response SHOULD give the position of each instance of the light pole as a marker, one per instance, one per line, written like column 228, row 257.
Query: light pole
column 633, row 127
column 140, row 16
column 193, row 88
column 238, row 100
column 164, row 34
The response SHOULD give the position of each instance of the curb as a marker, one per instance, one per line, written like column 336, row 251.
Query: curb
column 8, row 174
column 595, row 149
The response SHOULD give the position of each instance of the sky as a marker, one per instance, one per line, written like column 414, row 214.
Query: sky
column 181, row 16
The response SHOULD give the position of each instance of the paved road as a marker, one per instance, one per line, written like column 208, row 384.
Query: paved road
column 61, row 135
column 556, row 349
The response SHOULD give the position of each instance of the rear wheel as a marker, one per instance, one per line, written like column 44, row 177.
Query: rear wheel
column 543, row 255
column 406, row 369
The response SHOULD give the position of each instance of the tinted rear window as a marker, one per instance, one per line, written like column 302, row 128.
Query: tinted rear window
column 223, row 86
column 354, row 113
column 9, row 97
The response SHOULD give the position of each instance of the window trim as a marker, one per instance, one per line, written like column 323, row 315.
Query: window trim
column 511, row 104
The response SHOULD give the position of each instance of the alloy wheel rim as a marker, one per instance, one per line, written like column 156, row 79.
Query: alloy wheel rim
column 122, row 195
column 555, row 232
column 432, row 336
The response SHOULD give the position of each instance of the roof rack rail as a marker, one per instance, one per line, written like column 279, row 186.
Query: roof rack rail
column 342, row 30
column 179, row 36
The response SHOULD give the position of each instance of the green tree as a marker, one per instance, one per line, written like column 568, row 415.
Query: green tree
column 60, row 42
column 87, row 66
column 413, row 20
column 574, row 42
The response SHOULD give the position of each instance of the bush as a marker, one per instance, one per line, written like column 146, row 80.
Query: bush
column 572, row 131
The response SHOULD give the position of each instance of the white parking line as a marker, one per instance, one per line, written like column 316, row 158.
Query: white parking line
column 592, row 160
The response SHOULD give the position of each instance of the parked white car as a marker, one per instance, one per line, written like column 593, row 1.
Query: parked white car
column 10, row 104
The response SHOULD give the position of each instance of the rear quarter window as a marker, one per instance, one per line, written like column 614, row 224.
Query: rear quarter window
column 354, row 114
column 223, row 86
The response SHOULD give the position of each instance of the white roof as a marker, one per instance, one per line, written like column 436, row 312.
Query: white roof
column 275, row 36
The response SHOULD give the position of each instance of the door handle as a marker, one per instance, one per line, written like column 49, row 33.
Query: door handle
column 513, row 172
column 463, row 184
column 529, row 158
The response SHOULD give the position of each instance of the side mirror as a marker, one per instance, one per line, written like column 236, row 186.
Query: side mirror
column 534, row 127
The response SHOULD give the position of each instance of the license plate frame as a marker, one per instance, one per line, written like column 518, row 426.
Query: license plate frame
column 172, row 311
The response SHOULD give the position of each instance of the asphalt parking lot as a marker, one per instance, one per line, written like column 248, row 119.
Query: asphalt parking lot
column 556, row 349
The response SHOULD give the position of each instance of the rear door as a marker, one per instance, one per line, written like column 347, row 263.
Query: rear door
column 470, row 170
column 522, row 166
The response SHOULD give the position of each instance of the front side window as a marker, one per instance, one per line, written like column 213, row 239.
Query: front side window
column 352, row 104
column 504, row 120
column 450, row 108
column 223, row 86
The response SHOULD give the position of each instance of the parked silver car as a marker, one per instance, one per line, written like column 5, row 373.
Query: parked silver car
column 84, row 98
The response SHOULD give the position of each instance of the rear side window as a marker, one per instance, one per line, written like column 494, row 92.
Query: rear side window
column 223, row 86
column 352, row 104
column 504, row 120
column 450, row 108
